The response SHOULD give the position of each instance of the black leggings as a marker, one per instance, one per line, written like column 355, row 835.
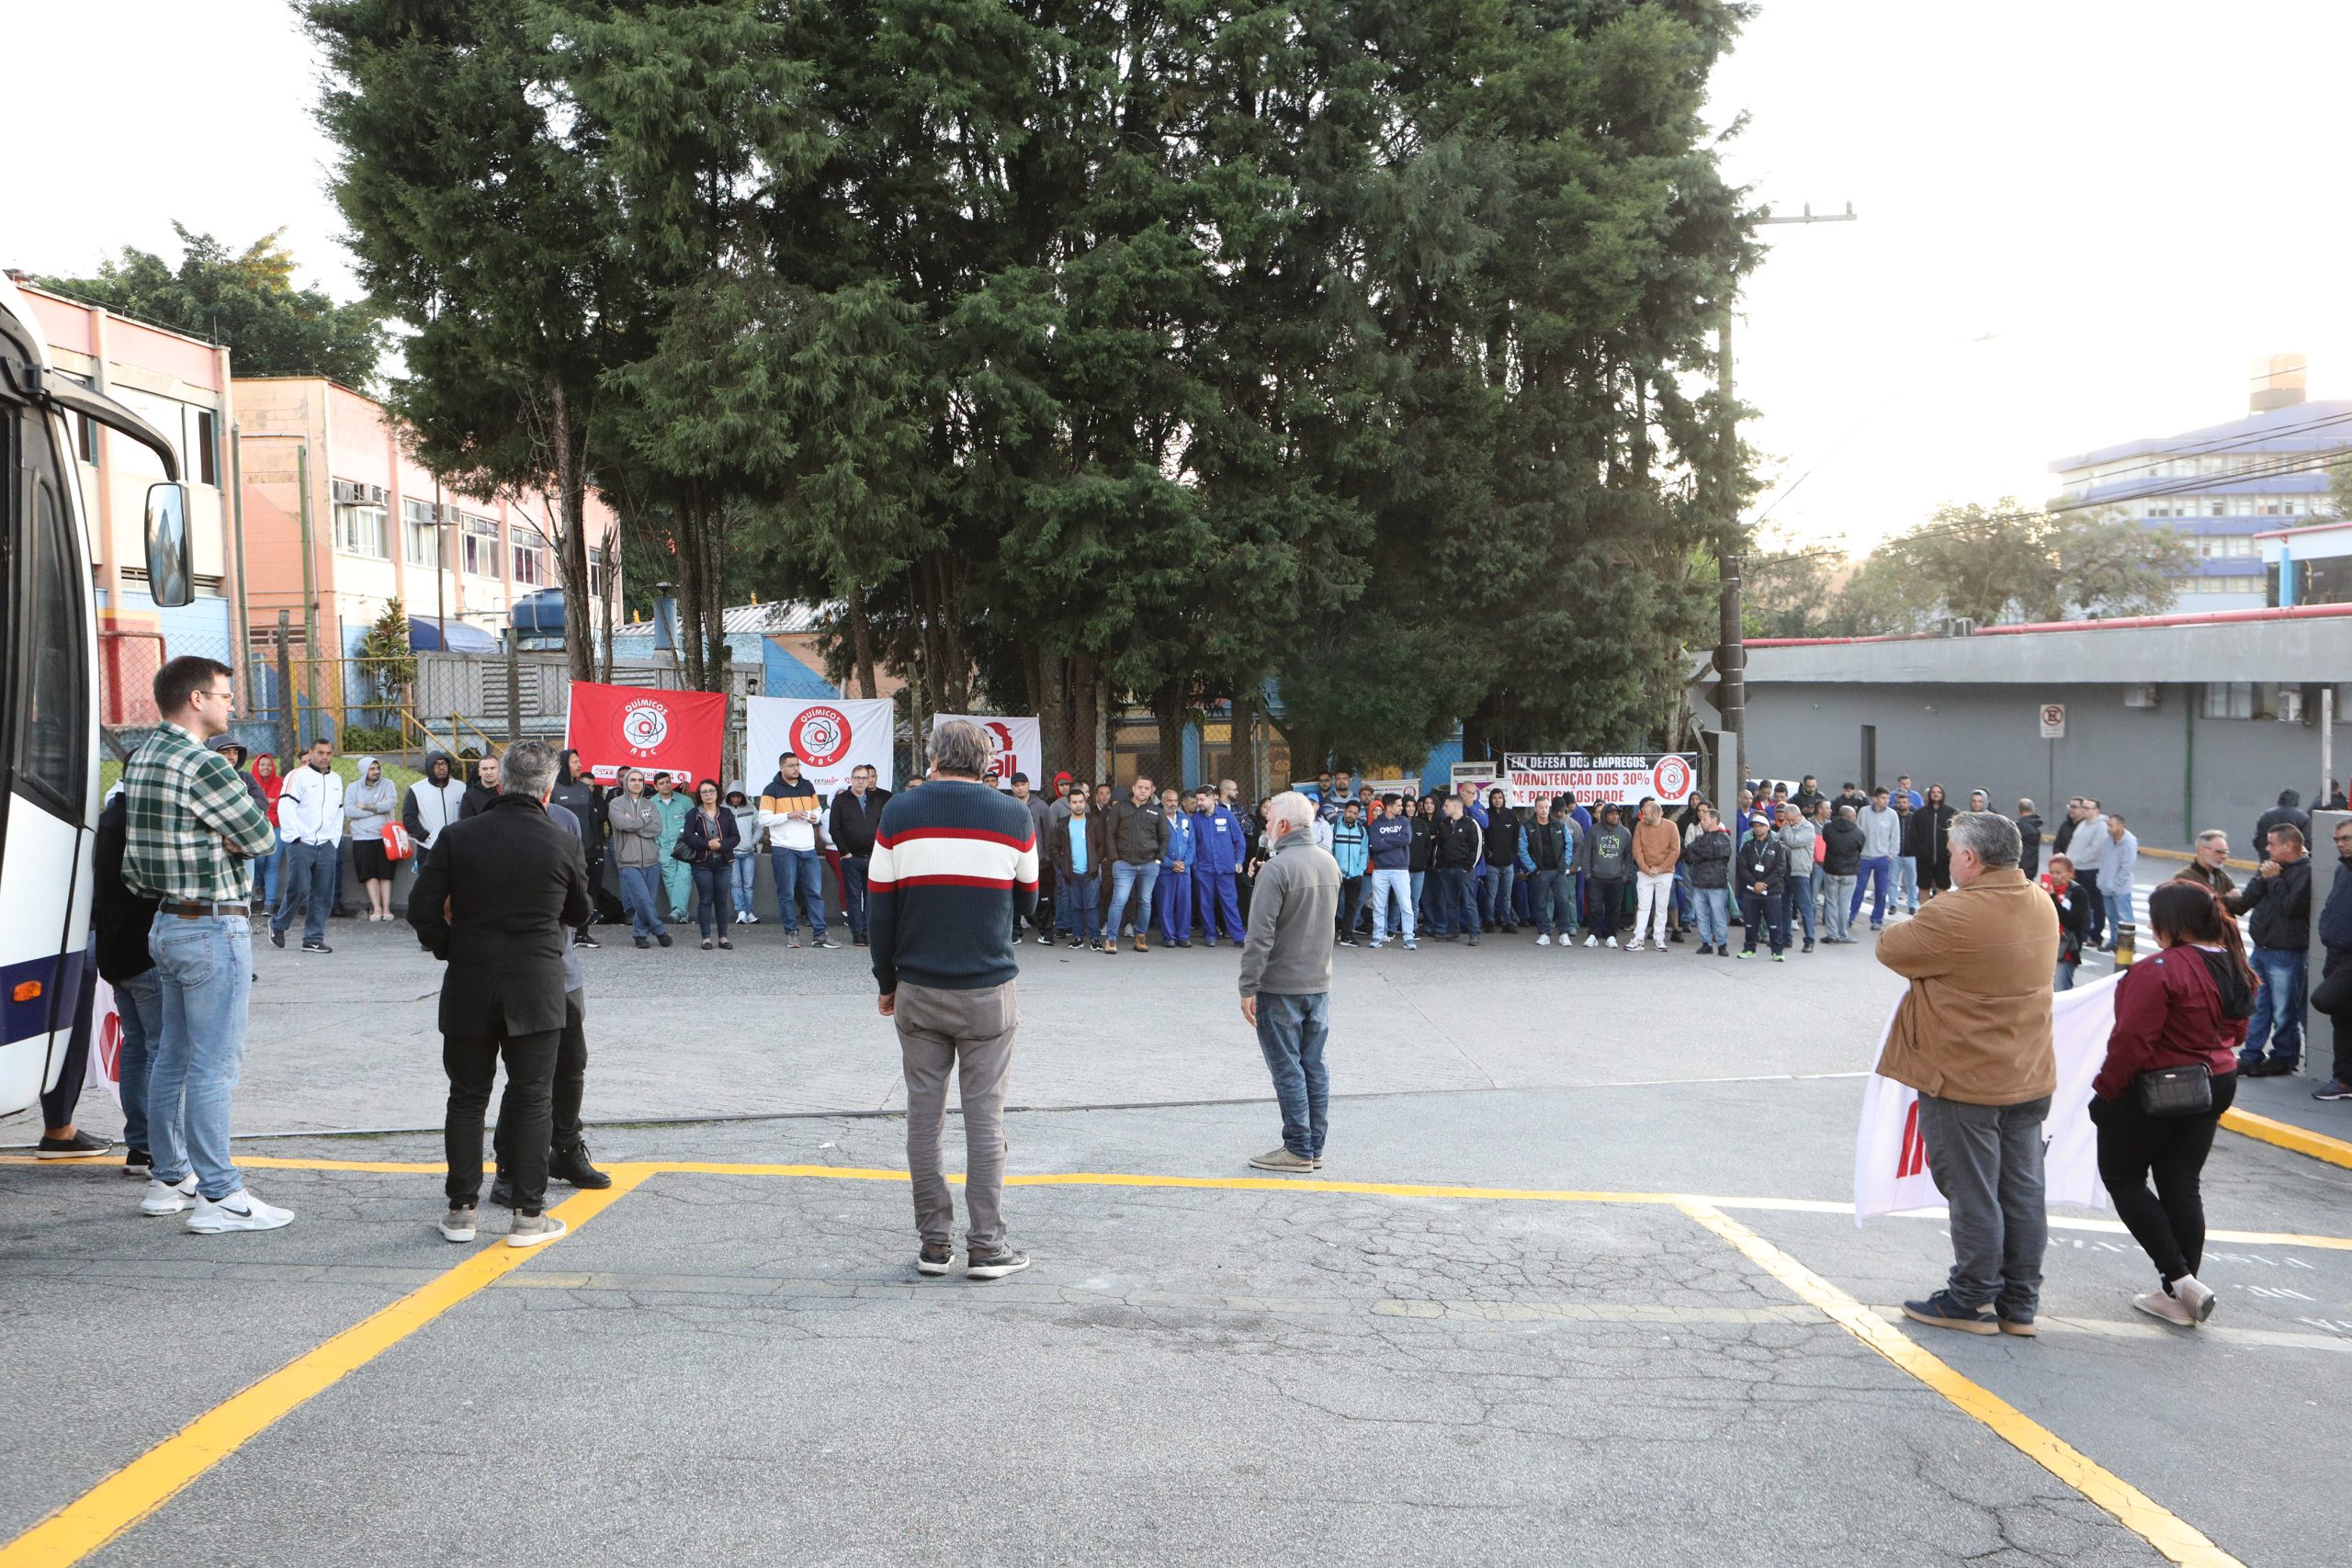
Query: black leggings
column 2169, row 1223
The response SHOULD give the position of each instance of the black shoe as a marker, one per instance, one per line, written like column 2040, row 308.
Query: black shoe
column 316, row 947
column 662, row 938
column 726, row 945
column 644, row 942
column 571, row 1166
column 1674, row 936
column 2266, row 1067
column 935, row 1259
column 585, row 940
column 857, row 939
column 1347, row 940
column 277, row 937
column 1045, row 939
column 81, row 1146
column 138, row 1162
column 994, row 1265
column 502, row 1191
column 1940, row 1311
column 1183, row 941
column 1705, row 948
column 1809, row 944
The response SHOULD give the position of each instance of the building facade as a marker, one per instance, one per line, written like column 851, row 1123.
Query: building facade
column 2223, row 485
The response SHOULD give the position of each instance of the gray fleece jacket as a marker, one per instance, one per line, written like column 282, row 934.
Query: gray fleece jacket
column 1293, row 920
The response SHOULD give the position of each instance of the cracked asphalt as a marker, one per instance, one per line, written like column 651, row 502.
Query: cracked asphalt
column 747, row 1367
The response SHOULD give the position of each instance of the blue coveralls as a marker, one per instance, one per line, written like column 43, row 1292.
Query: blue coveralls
column 1174, row 892
column 1222, row 843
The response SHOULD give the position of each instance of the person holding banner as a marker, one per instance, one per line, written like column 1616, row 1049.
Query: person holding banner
column 1972, row 1035
column 2181, row 1014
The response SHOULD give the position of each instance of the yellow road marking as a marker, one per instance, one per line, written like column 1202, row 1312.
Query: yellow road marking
column 2134, row 1509
column 147, row 1482
column 2287, row 1135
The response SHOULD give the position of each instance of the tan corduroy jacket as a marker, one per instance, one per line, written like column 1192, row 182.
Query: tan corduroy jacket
column 1975, row 1026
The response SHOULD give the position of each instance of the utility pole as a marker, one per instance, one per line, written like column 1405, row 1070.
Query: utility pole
column 1731, row 639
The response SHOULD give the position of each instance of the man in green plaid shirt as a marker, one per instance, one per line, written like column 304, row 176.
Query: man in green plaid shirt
column 193, row 831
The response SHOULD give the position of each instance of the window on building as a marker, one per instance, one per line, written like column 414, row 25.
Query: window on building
column 479, row 546
column 530, row 556
column 421, row 534
column 86, row 438
column 360, row 519
column 596, row 575
column 203, row 461
column 2217, row 507
column 2229, row 699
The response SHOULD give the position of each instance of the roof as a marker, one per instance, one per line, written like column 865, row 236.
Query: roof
column 2298, row 427
column 777, row 618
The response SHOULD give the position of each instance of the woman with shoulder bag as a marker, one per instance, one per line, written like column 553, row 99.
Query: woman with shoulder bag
column 2171, row 1071
column 707, row 844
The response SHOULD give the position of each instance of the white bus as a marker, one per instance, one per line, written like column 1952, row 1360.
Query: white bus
column 49, row 690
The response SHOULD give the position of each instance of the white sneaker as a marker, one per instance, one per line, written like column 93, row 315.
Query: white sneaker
column 1543, row 939
column 1633, row 946
column 2195, row 1295
column 1612, row 942
column 240, row 1210
column 165, row 1198
column 2166, row 1309
column 1594, row 940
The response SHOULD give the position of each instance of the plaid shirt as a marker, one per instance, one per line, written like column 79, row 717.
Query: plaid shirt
column 194, row 826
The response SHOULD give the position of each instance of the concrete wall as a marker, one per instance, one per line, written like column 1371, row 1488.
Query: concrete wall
column 2171, row 775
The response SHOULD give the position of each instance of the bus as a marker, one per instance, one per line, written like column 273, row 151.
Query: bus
column 48, row 689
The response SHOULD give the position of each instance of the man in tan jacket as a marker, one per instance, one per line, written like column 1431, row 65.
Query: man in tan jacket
column 1972, row 1036
column 1657, row 848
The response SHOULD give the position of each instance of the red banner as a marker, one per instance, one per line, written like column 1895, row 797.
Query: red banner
column 679, row 733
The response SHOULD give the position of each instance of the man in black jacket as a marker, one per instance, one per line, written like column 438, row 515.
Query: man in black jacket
column 2029, row 827
column 1454, row 851
column 2289, row 812
column 2332, row 997
column 492, row 903
column 1761, row 873
column 1138, row 843
column 2280, row 902
column 482, row 790
column 120, row 919
column 850, row 820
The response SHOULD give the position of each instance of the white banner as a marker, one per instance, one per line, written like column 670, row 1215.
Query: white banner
column 1601, row 781
column 1891, row 1158
column 1019, row 744
column 830, row 738
column 104, row 1068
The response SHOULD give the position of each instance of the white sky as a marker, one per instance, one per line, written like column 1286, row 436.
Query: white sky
column 2129, row 196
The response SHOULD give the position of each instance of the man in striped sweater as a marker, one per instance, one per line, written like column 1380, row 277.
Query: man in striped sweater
column 954, row 867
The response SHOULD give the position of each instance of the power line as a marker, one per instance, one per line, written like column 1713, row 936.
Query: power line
column 2159, row 459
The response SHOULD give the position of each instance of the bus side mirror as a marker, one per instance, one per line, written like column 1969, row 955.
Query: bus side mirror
column 170, row 575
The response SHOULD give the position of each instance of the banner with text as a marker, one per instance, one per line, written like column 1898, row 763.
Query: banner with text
column 1019, row 744
column 1620, row 779
column 830, row 738
column 614, row 727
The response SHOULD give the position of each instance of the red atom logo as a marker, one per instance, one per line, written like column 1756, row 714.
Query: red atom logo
column 820, row 735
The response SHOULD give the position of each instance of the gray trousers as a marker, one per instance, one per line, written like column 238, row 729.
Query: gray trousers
column 1837, row 893
column 1986, row 1160
column 968, row 1034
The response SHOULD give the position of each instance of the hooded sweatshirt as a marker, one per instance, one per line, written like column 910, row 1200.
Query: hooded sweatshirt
column 1608, row 853
column 433, row 802
column 269, row 783
column 368, row 807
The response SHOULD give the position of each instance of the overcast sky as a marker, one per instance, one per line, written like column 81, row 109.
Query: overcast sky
column 2080, row 223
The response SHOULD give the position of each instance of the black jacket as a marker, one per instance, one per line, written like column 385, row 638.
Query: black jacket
column 1765, row 861
column 1927, row 838
column 1548, row 844
column 1098, row 848
column 1455, row 844
column 2281, row 906
column 2073, row 922
column 2029, row 856
column 1841, row 847
column 2335, row 916
column 2288, row 810
column 581, row 798
column 1503, row 836
column 1138, row 834
column 478, row 798
column 697, row 835
column 119, row 916
column 1424, row 835
column 1709, row 857
column 851, row 825
column 516, row 884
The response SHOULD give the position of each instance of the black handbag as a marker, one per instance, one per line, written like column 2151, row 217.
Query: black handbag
column 687, row 850
column 2176, row 1091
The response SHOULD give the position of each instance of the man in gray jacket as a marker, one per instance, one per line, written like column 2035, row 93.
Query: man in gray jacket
column 1800, row 835
column 635, row 823
column 1881, row 841
column 1286, row 977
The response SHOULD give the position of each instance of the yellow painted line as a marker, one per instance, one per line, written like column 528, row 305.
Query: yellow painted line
column 2134, row 1509
column 832, row 1172
column 1375, row 1188
column 147, row 1482
column 2287, row 1135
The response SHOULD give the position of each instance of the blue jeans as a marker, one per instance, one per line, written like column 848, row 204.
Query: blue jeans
column 306, row 876
column 747, row 869
column 1498, row 881
column 265, row 868
column 204, row 969
column 2095, row 929
column 2119, row 906
column 1556, row 902
column 1082, row 917
column 1801, row 889
column 2278, row 1006
column 1389, row 888
column 1454, row 906
column 1126, row 879
column 1291, row 1031
column 140, row 1002
column 800, row 885
column 641, row 891
column 714, row 896
column 1421, row 881
column 2066, row 976
column 1907, row 882
column 1714, row 915
column 854, row 872
column 1877, row 872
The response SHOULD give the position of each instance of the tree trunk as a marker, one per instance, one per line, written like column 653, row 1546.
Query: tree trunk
column 1243, row 754
column 1083, row 700
column 686, row 523
column 570, row 454
column 1168, row 708
column 861, row 643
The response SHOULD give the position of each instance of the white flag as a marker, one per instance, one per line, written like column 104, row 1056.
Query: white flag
column 1891, row 1171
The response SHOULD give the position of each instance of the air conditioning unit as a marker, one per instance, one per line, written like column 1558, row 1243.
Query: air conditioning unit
column 2291, row 704
column 2143, row 694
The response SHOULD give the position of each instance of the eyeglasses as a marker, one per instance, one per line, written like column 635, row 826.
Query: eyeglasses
column 226, row 694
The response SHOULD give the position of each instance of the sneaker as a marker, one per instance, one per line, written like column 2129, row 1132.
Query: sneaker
column 1940, row 1311
column 1592, row 941
column 1611, row 942
column 828, row 944
column 1187, row 942
column 791, row 939
column 2194, row 1296
column 277, row 937
column 1809, row 944
column 530, row 1230
column 585, row 940
column 1543, row 939
column 1347, row 940
column 169, row 1198
column 2334, row 1089
column 1045, row 939
column 571, row 1166
column 662, row 939
column 1376, row 944
column 1473, row 938
column 138, row 1162
column 1633, row 947
column 1281, row 1159
column 1877, row 926
column 1779, row 958
column 750, row 919
column 645, row 941
column 319, row 947
column 2019, row 1324
column 935, row 1259
column 1704, row 949
column 858, row 940
column 1109, row 946
column 240, row 1210
column 995, row 1264
column 81, row 1146
column 739, row 917
column 457, row 1224
column 1747, row 953
column 2166, row 1309
column 1412, row 946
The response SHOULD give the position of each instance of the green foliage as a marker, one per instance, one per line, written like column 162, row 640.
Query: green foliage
column 384, row 653
column 245, row 300
column 361, row 740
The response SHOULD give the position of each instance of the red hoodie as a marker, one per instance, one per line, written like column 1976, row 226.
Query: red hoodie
column 272, row 784
column 2167, row 1014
